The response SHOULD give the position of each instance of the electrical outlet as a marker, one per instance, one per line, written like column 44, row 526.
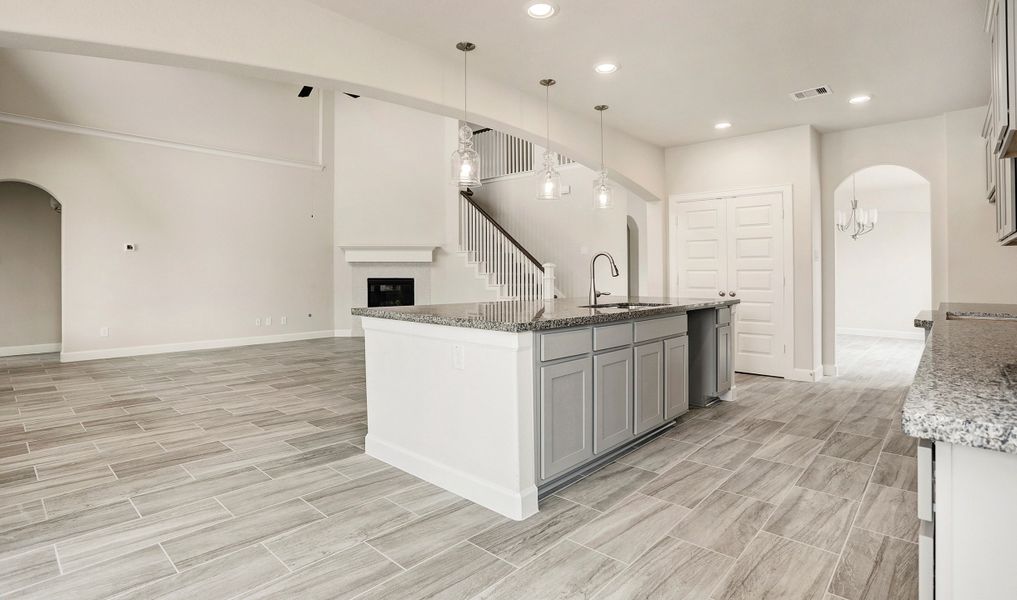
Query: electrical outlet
column 268, row 321
column 104, row 331
column 282, row 320
column 257, row 322
column 458, row 357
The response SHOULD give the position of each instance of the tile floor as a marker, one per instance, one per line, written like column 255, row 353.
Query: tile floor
column 240, row 473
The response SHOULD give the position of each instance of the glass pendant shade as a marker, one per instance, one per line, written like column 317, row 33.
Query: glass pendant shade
column 466, row 161
column 603, row 198
column 548, row 178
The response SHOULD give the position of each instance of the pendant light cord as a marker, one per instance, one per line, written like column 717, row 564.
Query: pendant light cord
column 547, row 115
column 466, row 88
column 601, row 141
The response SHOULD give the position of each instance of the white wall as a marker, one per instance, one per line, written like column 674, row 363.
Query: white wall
column 222, row 239
column 776, row 158
column 567, row 233
column 885, row 277
column 29, row 269
column 967, row 264
column 300, row 42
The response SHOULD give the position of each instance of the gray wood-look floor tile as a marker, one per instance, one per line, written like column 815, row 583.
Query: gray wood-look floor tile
column 862, row 424
column 697, row 431
column 850, row 446
column 658, row 455
column 724, row 523
column 29, row 490
column 28, row 569
column 461, row 572
column 794, row 450
column 18, row 515
column 426, row 536
column 894, row 470
column 725, row 452
column 776, row 568
column 136, row 534
column 516, row 542
column 148, row 464
column 876, row 567
column 217, row 540
column 686, row 483
column 104, row 579
column 121, row 489
column 232, row 576
column 899, row 443
column 670, row 570
column 424, row 498
column 813, row 518
column 819, row 428
column 890, row 511
column 338, row 532
column 358, row 465
column 346, row 495
column 568, row 571
column 236, row 460
column 262, row 495
column 835, row 476
column 608, row 486
column 763, row 480
column 223, row 483
column 49, row 531
column 345, row 433
column 339, row 577
column 628, row 530
column 755, row 429
column 303, row 461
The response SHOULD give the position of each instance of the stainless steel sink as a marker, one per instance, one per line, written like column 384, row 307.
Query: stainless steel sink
column 625, row 305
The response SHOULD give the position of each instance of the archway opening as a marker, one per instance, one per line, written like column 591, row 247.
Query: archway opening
column 632, row 238
column 883, row 266
column 30, row 299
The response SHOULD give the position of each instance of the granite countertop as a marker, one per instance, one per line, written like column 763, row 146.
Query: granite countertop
column 965, row 389
column 537, row 315
column 924, row 319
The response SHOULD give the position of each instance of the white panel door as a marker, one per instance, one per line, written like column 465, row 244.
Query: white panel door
column 755, row 248
column 700, row 230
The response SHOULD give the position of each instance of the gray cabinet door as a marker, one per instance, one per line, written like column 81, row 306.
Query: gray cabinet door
column 612, row 399
column 566, row 415
column 724, row 357
column 649, row 386
column 676, row 377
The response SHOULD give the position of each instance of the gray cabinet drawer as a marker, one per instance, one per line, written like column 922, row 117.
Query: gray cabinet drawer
column 564, row 344
column 723, row 315
column 653, row 329
column 612, row 336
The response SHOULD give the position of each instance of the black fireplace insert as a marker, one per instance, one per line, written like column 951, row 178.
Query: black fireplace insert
column 389, row 291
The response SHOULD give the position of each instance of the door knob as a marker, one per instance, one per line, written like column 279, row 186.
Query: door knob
column 732, row 294
column 722, row 293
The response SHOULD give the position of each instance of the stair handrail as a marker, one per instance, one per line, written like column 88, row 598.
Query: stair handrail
column 467, row 195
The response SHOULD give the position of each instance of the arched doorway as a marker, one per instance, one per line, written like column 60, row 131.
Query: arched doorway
column 883, row 264
column 30, row 321
column 632, row 238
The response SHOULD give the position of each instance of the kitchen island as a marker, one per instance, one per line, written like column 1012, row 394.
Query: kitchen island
column 962, row 406
column 503, row 402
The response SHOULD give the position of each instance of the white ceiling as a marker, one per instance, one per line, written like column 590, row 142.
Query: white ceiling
column 686, row 64
column 886, row 187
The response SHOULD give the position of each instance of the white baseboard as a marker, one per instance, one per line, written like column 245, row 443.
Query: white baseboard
column 918, row 334
column 198, row 345
column 32, row 349
column 830, row 371
column 343, row 333
column 809, row 375
column 517, row 506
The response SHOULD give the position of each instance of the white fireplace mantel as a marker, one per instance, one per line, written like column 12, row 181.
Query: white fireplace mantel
column 368, row 253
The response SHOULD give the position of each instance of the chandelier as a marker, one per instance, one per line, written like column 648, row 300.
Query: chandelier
column 858, row 221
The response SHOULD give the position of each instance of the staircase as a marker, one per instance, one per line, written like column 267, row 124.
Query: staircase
column 508, row 267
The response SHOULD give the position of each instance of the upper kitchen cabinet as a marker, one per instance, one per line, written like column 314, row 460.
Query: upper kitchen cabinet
column 1001, row 120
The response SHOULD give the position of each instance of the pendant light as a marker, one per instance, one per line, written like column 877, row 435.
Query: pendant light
column 548, row 178
column 602, row 197
column 465, row 160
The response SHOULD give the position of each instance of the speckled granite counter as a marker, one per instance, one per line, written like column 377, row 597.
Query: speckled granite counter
column 965, row 389
column 924, row 319
column 529, row 315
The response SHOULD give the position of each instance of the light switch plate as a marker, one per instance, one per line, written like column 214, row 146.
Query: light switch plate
column 458, row 357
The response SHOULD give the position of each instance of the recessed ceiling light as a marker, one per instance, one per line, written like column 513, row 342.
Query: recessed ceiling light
column 722, row 125
column 606, row 68
column 860, row 99
column 541, row 10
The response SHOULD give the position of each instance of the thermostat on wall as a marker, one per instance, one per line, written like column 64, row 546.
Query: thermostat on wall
column 129, row 247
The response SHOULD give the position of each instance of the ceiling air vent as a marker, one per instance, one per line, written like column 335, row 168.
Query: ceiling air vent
column 823, row 90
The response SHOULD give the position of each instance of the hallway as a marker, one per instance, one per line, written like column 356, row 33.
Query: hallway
column 240, row 473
